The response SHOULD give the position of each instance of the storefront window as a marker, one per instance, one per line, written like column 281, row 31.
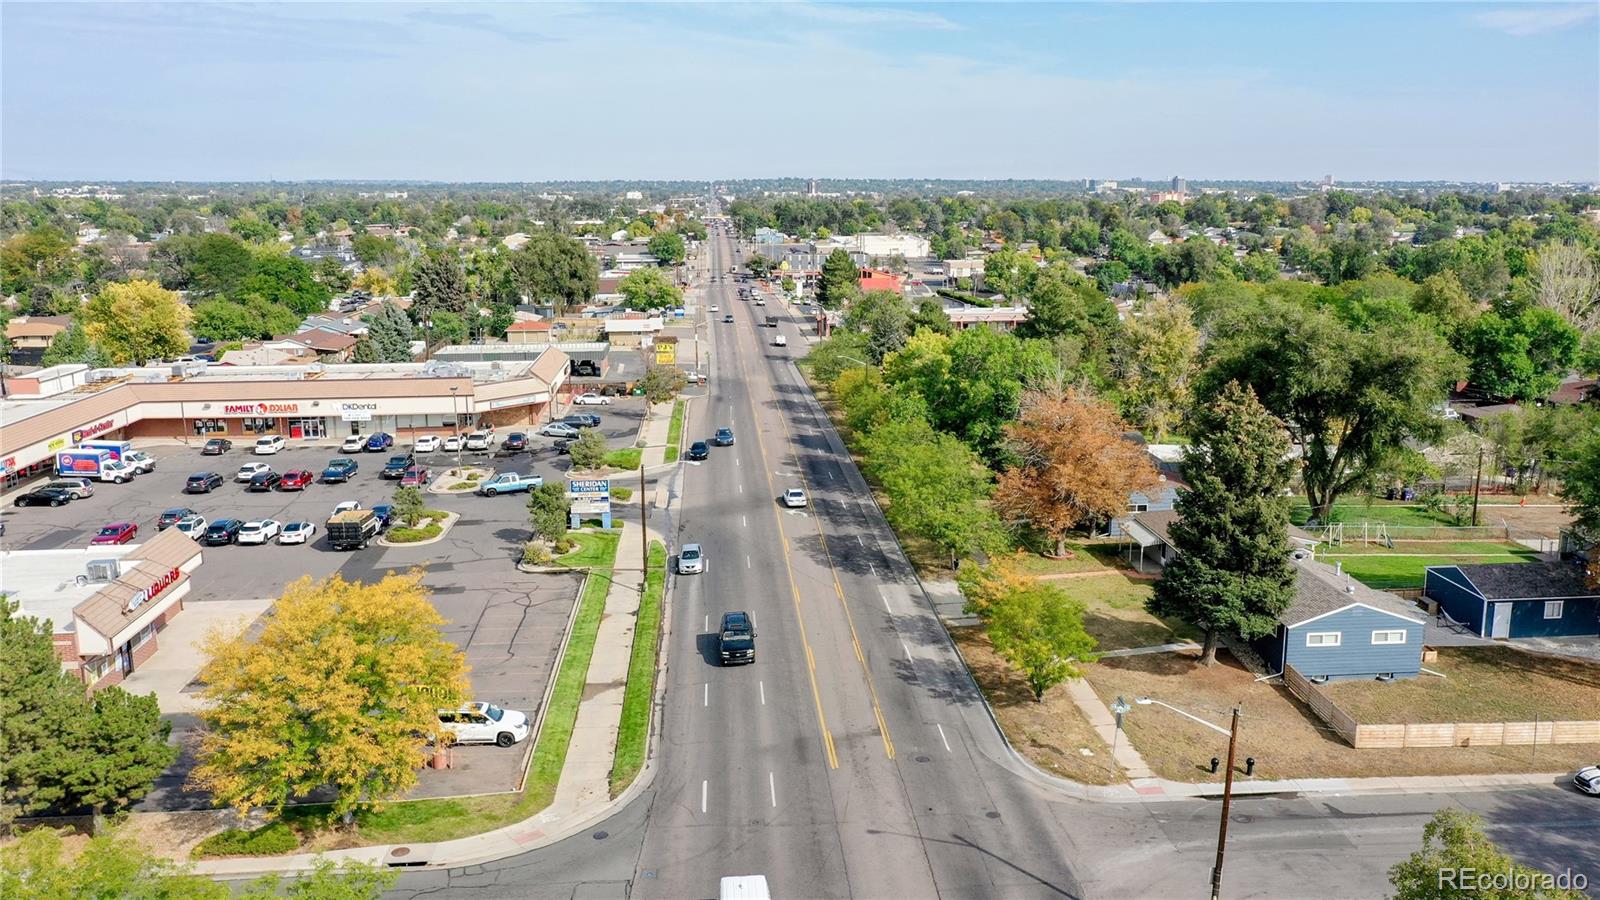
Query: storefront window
column 261, row 426
column 307, row 428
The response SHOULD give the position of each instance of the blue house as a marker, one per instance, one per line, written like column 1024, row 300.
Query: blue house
column 1339, row 629
column 1517, row 600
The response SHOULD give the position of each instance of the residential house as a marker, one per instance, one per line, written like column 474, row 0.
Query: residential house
column 352, row 325
column 329, row 346
column 258, row 354
column 998, row 318
column 34, row 333
column 515, row 241
column 631, row 331
column 1149, row 539
column 1338, row 629
column 1516, row 600
column 1157, row 238
column 529, row 332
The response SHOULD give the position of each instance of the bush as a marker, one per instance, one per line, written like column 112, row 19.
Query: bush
column 622, row 494
column 565, row 545
column 589, row 450
column 537, row 553
column 268, row 840
column 401, row 534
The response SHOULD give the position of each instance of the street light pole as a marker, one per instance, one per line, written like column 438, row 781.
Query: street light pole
column 1227, row 803
column 455, row 426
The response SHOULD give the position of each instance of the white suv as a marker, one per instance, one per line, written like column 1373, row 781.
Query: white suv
column 479, row 440
column 269, row 445
column 484, row 723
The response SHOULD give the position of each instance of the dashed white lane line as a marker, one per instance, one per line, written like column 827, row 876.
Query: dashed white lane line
column 704, row 787
column 772, row 785
column 744, row 522
column 741, row 488
column 885, row 602
column 708, row 695
column 906, row 649
column 762, row 686
column 942, row 737
column 747, row 562
column 708, row 623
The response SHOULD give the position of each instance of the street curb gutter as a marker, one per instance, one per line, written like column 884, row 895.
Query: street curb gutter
column 1158, row 790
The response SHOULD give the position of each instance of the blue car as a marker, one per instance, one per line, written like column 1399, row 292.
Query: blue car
column 379, row 442
column 724, row 437
column 339, row 470
column 385, row 514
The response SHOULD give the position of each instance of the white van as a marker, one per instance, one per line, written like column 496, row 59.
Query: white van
column 269, row 445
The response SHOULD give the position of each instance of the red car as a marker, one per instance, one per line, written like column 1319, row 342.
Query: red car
column 416, row 476
column 116, row 533
column 296, row 480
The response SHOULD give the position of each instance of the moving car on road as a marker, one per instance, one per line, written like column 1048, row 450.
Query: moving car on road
column 222, row 531
column 116, row 533
column 44, row 497
column 727, row 319
column 259, row 531
column 170, row 517
column 691, row 560
column 216, row 447
column 339, row 470
column 296, row 480
column 779, row 340
column 591, row 399
column 202, row 483
column 724, row 437
column 297, row 532
column 427, row 443
column 484, row 723
column 355, row 443
column 736, row 639
column 794, row 498
column 249, row 471
column 698, row 450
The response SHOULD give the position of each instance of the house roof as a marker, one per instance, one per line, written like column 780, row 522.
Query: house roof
column 324, row 341
column 526, row 325
column 1156, row 522
column 1319, row 589
column 107, row 611
column 20, row 328
column 1533, row 580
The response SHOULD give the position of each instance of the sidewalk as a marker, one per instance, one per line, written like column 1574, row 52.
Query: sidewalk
column 583, row 795
column 655, row 432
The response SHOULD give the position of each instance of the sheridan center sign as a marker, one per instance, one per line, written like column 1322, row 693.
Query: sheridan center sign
column 590, row 498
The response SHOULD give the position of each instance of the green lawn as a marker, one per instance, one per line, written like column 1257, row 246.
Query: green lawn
column 675, row 431
column 447, row 819
column 1114, row 612
column 1393, row 572
column 595, row 548
column 626, row 458
column 1095, row 557
column 634, row 730
column 1387, row 512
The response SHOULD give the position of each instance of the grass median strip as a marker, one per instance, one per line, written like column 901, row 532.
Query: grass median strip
column 595, row 548
column 634, row 731
column 626, row 458
column 675, row 431
column 449, row 818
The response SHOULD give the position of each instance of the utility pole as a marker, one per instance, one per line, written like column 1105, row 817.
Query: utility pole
column 1477, row 480
column 644, row 531
column 1227, row 803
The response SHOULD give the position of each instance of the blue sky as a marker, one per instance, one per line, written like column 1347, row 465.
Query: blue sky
column 528, row 92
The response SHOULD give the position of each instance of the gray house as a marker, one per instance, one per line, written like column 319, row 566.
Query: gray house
column 1339, row 629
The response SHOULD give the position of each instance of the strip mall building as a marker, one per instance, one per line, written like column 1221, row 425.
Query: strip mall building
column 56, row 408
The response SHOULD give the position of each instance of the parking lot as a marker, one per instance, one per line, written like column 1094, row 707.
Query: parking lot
column 508, row 623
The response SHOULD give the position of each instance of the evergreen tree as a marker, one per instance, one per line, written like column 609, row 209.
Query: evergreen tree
column 41, row 712
column 1233, row 573
column 73, row 346
column 839, row 279
column 125, row 748
column 390, row 333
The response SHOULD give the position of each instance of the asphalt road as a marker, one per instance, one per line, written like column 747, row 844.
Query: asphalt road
column 854, row 757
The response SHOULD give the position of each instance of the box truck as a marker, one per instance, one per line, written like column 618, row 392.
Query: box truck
column 93, row 462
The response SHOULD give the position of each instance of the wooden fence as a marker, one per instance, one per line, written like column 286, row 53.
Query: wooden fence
column 1436, row 734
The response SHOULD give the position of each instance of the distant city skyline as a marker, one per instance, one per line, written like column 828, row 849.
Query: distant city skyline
column 526, row 93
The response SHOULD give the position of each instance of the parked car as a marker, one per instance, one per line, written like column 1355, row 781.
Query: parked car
column 249, row 471
column 515, row 442
column 397, row 465
column 509, row 483
column 345, row 506
column 416, row 476
column 297, row 532
column 44, row 497
column 216, row 447
column 222, row 531
column 379, row 442
column 563, row 446
column 794, row 498
column 483, row 723
column 259, row 531
column 296, row 480
column 698, row 450
column 355, row 443
column 427, row 443
column 269, row 445
column 170, row 517
column 79, row 488
column 452, row 443
column 264, row 481
column 339, row 470
column 479, row 440
column 192, row 526
column 141, row 461
column 582, row 420
column 691, row 560
column 385, row 514
column 116, row 533
column 202, row 483
column 1587, row 780
column 591, row 399
column 559, row 429
column 724, row 437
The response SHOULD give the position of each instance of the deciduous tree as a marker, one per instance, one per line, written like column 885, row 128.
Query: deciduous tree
column 549, row 511
column 554, row 268
column 336, row 693
column 662, row 383
column 137, row 320
column 1074, row 467
column 668, row 247
column 589, row 450
column 1162, row 356
column 1232, row 574
column 1456, row 853
column 938, row 488
column 1039, row 629
column 286, row 281
column 73, row 346
column 1566, row 282
column 647, row 289
column 1521, row 356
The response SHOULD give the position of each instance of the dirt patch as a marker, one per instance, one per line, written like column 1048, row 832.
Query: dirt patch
column 1051, row 733
column 175, row 834
column 1285, row 737
column 1481, row 684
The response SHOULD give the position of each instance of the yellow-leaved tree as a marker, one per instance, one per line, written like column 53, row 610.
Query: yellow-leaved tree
column 134, row 321
column 338, row 692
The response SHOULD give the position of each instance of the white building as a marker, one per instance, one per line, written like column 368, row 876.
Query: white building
column 909, row 246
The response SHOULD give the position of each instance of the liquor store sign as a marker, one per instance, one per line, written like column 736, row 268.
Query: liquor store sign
column 161, row 584
column 258, row 410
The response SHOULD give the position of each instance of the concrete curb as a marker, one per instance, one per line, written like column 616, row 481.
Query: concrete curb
column 434, row 488
column 444, row 529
